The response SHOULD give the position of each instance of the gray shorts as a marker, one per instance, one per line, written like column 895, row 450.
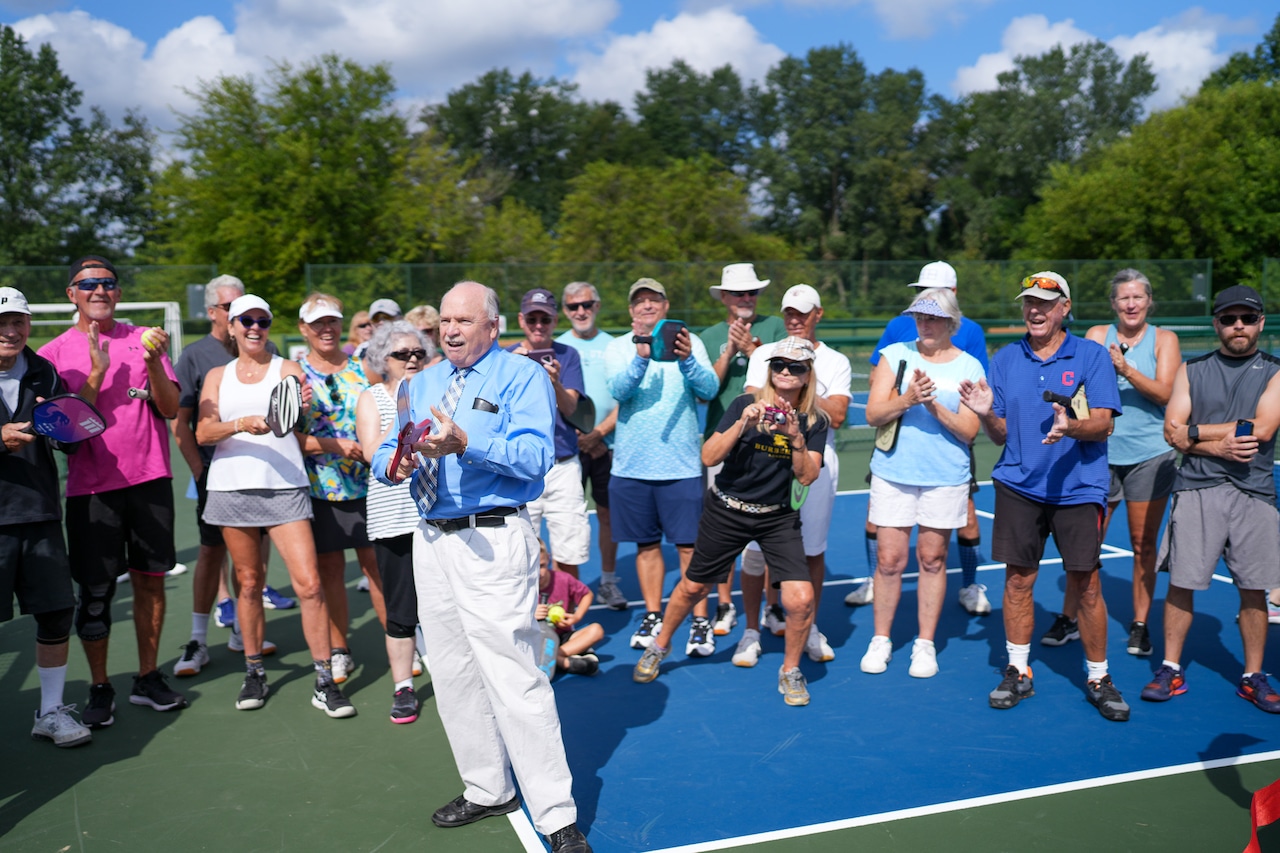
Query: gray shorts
column 1221, row 521
column 1143, row 482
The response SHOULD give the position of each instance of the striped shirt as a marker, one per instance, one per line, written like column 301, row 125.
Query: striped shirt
column 390, row 509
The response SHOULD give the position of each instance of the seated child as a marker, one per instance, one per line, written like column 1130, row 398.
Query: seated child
column 573, row 598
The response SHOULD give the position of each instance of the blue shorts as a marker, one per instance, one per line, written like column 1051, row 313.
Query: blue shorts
column 643, row 511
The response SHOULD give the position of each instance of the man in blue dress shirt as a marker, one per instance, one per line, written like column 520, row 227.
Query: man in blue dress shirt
column 475, row 561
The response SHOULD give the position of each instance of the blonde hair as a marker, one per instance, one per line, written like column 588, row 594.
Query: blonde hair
column 423, row 315
column 356, row 319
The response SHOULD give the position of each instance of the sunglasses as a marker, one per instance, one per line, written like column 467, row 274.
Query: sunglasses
column 580, row 306
column 744, row 293
column 364, row 325
column 335, row 390
column 538, row 320
column 1230, row 319
column 795, row 368
column 225, row 306
column 406, row 354
column 88, row 285
column 250, row 322
column 1040, row 282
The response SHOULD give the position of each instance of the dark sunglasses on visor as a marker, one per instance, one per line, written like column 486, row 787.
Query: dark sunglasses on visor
column 795, row 368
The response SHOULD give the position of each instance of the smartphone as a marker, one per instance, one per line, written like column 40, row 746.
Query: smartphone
column 542, row 356
column 1244, row 427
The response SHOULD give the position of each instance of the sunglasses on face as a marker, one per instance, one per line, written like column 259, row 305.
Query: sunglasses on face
column 580, row 306
column 538, row 320
column 250, row 322
column 1042, row 283
column 88, row 285
column 365, row 325
column 1230, row 319
column 406, row 354
column 744, row 294
column 795, row 368
column 225, row 306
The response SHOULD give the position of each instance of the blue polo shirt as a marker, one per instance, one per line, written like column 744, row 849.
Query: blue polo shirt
column 1070, row 471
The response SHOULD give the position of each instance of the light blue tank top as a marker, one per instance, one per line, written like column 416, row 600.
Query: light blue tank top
column 1139, row 432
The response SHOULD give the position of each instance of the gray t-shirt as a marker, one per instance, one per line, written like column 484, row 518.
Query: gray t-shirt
column 193, row 366
column 10, row 382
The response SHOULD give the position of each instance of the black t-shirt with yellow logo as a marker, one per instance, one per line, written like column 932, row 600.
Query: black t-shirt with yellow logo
column 758, row 468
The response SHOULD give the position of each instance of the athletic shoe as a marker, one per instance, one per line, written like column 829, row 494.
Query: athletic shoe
column 60, row 727
column 1061, row 632
column 153, row 691
column 404, row 706
column 748, row 651
column 974, row 599
column 864, row 594
column 612, row 596
column 1257, row 690
column 1013, row 688
column 1104, row 696
column 879, row 653
column 419, row 665
column 726, row 618
column 775, row 620
column 342, row 665
column 817, row 647
column 178, row 569
column 568, row 839
column 793, row 687
column 702, row 642
column 253, row 693
column 195, row 656
column 582, row 664
column 650, row 627
column 224, row 615
column 363, row 584
column 1139, row 639
column 273, row 600
column 647, row 669
column 235, row 643
column 328, row 698
column 100, row 710
column 924, row 660
column 1167, row 683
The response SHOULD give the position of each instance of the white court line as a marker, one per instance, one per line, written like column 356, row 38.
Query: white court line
column 974, row 802
column 528, row 836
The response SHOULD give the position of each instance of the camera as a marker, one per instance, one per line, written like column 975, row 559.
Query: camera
column 775, row 415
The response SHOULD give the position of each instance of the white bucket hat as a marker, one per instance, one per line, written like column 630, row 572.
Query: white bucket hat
column 737, row 278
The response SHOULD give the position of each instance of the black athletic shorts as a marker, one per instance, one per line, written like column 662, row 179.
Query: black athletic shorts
column 1022, row 526
column 210, row 534
column 395, row 565
column 34, row 567
column 724, row 532
column 339, row 525
column 125, row 529
column 598, row 470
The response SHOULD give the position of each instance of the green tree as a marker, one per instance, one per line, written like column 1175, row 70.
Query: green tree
column 1241, row 67
column 684, row 113
column 511, row 234
column 992, row 150
column 1198, row 181
column 68, row 185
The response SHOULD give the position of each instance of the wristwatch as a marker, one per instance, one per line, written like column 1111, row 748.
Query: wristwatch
column 1193, row 433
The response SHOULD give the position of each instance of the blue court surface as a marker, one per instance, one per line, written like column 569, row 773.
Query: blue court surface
column 709, row 757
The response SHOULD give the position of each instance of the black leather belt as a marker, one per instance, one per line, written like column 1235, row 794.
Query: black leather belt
column 496, row 517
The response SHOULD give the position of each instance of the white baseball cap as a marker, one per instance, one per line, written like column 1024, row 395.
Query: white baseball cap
column 13, row 302
column 936, row 274
column 241, row 304
column 801, row 297
column 318, row 309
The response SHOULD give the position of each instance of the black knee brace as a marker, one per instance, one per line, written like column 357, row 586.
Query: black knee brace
column 93, row 613
column 54, row 628
column 397, row 631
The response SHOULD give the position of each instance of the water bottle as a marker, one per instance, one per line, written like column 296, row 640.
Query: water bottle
column 547, row 645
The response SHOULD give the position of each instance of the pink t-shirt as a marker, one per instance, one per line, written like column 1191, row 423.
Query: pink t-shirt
column 565, row 590
column 134, row 448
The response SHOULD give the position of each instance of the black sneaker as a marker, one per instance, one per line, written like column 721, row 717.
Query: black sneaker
column 1104, row 696
column 153, row 691
column 404, row 706
column 1139, row 639
column 1061, row 632
column 582, row 664
column 253, row 693
column 99, row 712
column 328, row 698
column 568, row 839
column 1012, row 689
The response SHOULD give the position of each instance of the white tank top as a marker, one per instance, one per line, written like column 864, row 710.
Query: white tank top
column 246, row 461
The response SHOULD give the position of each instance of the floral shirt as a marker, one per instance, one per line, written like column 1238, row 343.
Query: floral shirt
column 333, row 415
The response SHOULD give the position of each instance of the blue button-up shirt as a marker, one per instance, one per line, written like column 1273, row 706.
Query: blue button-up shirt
column 508, row 412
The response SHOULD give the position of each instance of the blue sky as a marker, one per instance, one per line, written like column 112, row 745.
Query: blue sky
column 143, row 53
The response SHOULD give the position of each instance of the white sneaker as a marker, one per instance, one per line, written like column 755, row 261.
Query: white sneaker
column 363, row 584
column 861, row 595
column 195, row 657
column 726, row 618
column 60, row 727
column 419, row 665
column 817, row 647
column 748, row 652
column 342, row 665
column 878, row 655
column 775, row 620
column 612, row 596
column 974, row 599
column 178, row 569
column 924, row 660
column 235, row 643
column 702, row 641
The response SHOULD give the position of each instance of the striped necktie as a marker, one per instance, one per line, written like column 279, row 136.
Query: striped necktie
column 424, row 487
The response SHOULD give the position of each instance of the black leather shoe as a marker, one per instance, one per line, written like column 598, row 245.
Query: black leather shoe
column 462, row 811
column 569, row 840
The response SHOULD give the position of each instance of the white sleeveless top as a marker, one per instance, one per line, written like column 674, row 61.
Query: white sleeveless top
column 246, row 461
column 391, row 511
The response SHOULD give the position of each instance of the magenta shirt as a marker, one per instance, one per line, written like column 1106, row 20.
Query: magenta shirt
column 565, row 590
column 134, row 448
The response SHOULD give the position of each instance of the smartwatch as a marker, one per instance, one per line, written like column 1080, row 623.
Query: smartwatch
column 1193, row 433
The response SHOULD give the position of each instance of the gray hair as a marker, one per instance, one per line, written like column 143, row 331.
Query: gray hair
column 577, row 287
column 1127, row 275
column 490, row 298
column 380, row 344
column 946, row 300
column 211, row 289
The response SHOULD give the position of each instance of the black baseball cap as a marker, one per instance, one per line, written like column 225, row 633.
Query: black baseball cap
column 1238, row 294
column 91, row 262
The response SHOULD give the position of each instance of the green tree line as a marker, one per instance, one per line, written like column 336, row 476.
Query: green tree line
column 819, row 160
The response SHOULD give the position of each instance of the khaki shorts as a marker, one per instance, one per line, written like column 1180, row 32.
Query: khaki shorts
column 1221, row 521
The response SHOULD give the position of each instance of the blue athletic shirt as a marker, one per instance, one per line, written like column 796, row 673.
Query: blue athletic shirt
column 902, row 329
column 1139, row 435
column 1069, row 471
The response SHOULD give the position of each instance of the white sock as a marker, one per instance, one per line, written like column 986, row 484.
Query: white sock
column 1019, row 654
column 608, row 577
column 400, row 685
column 1173, row 666
column 52, row 680
column 200, row 627
column 920, row 641
column 1096, row 669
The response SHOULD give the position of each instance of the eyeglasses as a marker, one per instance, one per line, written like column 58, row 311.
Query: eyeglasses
column 364, row 325
column 250, row 322
column 580, row 306
column 538, row 319
column 1040, row 282
column 225, row 306
column 406, row 354
column 795, row 368
column 88, row 285
column 1230, row 319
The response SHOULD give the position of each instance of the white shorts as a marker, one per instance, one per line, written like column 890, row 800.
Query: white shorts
column 815, row 515
column 939, row 507
column 564, row 506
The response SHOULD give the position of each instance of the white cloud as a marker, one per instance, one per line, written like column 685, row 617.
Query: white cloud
column 1182, row 51
column 706, row 41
